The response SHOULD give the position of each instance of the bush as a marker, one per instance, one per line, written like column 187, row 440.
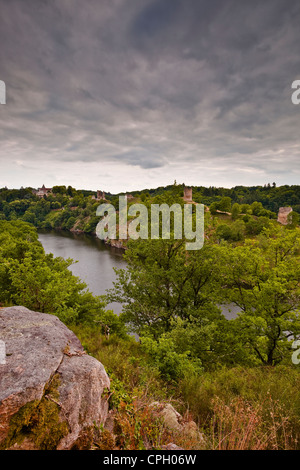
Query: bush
column 171, row 364
column 234, row 232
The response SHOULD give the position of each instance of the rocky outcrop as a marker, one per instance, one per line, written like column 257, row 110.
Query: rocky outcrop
column 52, row 394
column 283, row 214
column 176, row 423
column 115, row 243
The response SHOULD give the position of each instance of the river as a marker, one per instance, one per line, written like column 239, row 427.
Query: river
column 95, row 261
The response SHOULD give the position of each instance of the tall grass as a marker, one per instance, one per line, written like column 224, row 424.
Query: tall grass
column 240, row 426
column 235, row 408
column 240, row 408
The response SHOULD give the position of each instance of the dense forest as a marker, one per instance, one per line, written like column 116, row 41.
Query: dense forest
column 67, row 208
column 235, row 378
column 269, row 195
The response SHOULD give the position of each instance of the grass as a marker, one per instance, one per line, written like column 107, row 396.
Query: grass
column 241, row 426
column 234, row 408
column 264, row 401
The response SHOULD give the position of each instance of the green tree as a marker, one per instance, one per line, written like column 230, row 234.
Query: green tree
column 233, row 232
column 172, row 365
column 255, row 226
column 245, row 209
column 256, row 208
column 44, row 287
column 293, row 219
column 70, row 223
column 225, row 204
column 42, row 282
column 213, row 208
column 235, row 211
column 223, row 232
column 263, row 279
column 163, row 282
column 59, row 189
column 55, row 205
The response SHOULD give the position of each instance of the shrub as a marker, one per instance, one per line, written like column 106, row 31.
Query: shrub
column 171, row 364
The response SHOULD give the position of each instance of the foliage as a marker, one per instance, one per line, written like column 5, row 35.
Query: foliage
column 226, row 402
column 162, row 283
column 235, row 210
column 233, row 232
column 262, row 279
column 242, row 408
column 41, row 282
column 235, row 376
column 171, row 364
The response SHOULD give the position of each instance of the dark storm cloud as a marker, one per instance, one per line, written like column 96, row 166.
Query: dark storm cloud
column 151, row 84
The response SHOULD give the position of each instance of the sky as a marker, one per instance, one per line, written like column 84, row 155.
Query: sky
column 124, row 95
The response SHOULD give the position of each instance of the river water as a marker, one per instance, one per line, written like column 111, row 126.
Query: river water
column 95, row 261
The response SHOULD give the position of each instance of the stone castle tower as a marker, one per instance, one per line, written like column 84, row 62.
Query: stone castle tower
column 187, row 194
column 283, row 214
column 100, row 195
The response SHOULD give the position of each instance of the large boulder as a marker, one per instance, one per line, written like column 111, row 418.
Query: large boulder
column 52, row 394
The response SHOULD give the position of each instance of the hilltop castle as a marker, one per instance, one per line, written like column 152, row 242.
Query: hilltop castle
column 41, row 192
column 100, row 196
column 187, row 194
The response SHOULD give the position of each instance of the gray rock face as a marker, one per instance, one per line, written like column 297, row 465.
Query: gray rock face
column 38, row 348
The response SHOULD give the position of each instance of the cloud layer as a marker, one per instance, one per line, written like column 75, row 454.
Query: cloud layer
column 129, row 94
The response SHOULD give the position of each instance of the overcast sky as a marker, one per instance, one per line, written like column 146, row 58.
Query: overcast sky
column 130, row 94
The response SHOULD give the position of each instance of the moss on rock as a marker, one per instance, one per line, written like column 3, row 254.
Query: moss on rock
column 38, row 421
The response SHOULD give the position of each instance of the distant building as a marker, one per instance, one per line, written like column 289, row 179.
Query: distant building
column 41, row 192
column 283, row 214
column 100, row 196
column 187, row 194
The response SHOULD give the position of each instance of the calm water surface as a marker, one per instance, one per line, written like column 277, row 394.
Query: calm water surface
column 95, row 260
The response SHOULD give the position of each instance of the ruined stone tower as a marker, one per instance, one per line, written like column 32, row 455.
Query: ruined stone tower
column 187, row 194
column 283, row 215
column 100, row 195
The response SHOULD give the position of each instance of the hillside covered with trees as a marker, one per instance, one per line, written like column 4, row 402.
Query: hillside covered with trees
column 238, row 378
column 67, row 208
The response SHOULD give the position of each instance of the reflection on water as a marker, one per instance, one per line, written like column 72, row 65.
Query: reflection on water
column 95, row 260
